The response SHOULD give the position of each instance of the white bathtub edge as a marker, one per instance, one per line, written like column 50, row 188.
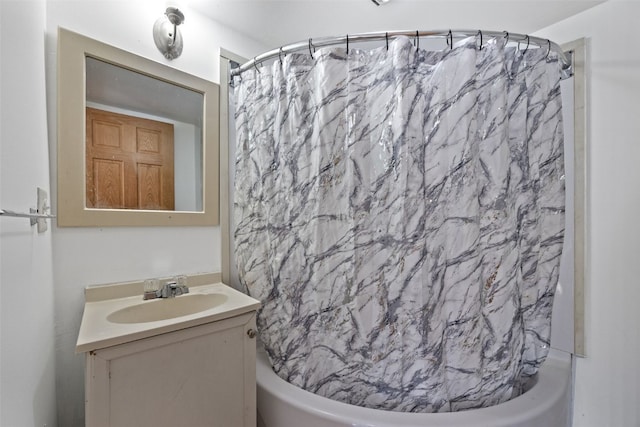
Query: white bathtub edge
column 549, row 399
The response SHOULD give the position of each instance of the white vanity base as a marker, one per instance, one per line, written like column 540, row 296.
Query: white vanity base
column 204, row 375
column 183, row 361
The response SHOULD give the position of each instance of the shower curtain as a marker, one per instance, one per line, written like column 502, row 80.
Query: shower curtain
column 400, row 215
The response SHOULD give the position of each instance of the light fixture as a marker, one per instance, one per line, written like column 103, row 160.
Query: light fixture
column 167, row 35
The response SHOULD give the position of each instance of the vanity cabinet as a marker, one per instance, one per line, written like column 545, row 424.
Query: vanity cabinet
column 194, row 377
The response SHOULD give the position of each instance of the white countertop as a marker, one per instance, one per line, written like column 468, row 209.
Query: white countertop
column 97, row 332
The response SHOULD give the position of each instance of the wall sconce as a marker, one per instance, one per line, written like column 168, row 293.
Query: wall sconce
column 167, row 35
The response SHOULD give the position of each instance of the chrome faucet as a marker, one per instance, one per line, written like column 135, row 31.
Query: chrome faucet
column 170, row 289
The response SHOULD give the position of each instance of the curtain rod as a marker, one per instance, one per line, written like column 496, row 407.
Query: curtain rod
column 567, row 70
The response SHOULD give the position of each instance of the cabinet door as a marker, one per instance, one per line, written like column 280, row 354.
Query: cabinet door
column 200, row 376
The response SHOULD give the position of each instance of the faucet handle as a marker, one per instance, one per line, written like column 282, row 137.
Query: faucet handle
column 182, row 288
column 151, row 288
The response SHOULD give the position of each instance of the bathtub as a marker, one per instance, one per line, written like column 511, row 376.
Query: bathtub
column 546, row 404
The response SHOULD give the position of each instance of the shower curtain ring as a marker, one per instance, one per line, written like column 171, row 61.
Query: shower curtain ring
column 480, row 34
column 548, row 49
column 310, row 44
column 506, row 35
column 527, row 47
column 255, row 64
column 450, row 40
column 347, row 44
column 280, row 55
column 386, row 37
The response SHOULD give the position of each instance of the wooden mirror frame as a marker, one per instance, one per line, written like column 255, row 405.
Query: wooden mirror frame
column 73, row 49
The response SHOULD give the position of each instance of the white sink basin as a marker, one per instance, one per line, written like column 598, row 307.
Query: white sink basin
column 115, row 314
column 169, row 308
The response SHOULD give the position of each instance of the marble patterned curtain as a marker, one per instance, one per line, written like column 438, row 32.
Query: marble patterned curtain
column 400, row 214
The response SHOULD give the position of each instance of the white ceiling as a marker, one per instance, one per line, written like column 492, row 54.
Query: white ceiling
column 277, row 23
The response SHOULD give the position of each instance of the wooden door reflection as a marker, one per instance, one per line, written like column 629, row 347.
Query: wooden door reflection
column 129, row 162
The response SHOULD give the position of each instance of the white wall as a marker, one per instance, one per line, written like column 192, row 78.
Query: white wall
column 607, row 381
column 562, row 324
column 1, row 199
column 86, row 256
column 26, row 281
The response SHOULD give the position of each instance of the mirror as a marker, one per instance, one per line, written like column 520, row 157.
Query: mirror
column 137, row 140
column 153, row 128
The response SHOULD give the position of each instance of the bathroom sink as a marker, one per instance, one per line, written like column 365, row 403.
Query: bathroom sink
column 169, row 308
column 116, row 314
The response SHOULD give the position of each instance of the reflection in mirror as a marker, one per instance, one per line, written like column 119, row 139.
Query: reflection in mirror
column 144, row 141
column 137, row 140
